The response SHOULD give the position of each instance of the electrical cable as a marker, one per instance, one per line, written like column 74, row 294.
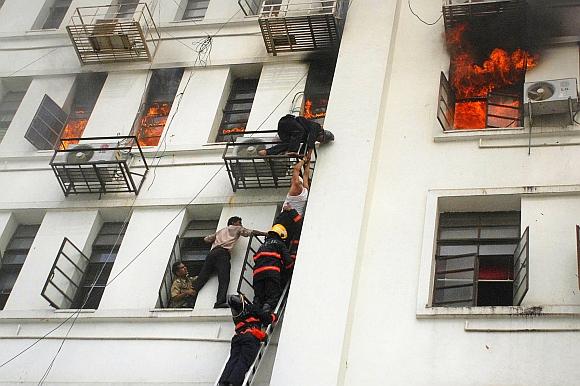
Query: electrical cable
column 419, row 17
column 75, row 315
column 34, row 61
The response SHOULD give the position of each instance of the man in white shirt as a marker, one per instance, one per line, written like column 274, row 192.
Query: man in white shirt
column 218, row 258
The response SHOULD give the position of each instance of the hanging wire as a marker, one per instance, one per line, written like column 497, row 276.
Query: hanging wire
column 419, row 17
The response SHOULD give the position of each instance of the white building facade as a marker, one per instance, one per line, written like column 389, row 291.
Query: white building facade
column 412, row 269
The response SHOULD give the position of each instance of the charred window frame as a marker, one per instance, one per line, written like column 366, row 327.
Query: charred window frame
column 191, row 250
column 13, row 259
column 154, row 113
column 475, row 30
column 103, row 255
column 317, row 88
column 237, row 109
column 195, row 9
column 87, row 89
column 481, row 260
column 10, row 102
column 56, row 13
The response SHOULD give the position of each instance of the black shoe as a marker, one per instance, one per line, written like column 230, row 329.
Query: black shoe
column 221, row 305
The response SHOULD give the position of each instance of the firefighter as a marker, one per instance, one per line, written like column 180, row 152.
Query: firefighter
column 294, row 131
column 249, row 321
column 291, row 220
column 270, row 261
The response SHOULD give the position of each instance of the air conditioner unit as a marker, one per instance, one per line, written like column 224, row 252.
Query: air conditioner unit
column 93, row 153
column 104, row 38
column 551, row 96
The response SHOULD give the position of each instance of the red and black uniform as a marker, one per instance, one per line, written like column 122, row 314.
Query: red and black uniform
column 292, row 221
column 249, row 320
column 271, row 260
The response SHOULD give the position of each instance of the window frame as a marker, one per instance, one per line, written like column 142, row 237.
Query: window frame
column 189, row 8
column 15, row 267
column 51, row 11
column 240, row 87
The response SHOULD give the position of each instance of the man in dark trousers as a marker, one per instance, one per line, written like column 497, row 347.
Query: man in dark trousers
column 294, row 131
column 270, row 261
column 249, row 321
column 218, row 259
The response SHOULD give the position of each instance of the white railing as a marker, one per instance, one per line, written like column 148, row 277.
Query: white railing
column 292, row 8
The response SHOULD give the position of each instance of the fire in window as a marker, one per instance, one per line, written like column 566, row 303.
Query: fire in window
column 489, row 61
column 155, row 112
column 86, row 92
column 237, row 109
column 317, row 89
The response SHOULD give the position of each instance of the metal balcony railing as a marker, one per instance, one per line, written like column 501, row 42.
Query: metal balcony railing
column 302, row 25
column 247, row 170
column 113, row 33
column 98, row 165
column 459, row 11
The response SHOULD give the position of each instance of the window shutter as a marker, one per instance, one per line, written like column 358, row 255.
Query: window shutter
column 455, row 280
column 578, row 252
column 503, row 110
column 446, row 104
column 66, row 275
column 47, row 125
column 521, row 272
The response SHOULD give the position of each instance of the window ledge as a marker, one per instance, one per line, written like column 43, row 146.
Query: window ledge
column 137, row 315
column 515, row 133
column 527, row 324
column 524, row 312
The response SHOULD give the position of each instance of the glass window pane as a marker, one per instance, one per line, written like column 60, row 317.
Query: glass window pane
column 14, row 257
column 501, row 232
column 453, row 294
column 497, row 249
column 444, row 265
column 452, row 250
column 457, row 233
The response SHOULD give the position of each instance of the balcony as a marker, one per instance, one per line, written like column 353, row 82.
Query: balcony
column 247, row 170
column 114, row 33
column 459, row 11
column 98, row 165
column 302, row 25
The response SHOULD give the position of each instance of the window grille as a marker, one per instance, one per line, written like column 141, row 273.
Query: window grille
column 195, row 9
column 446, row 104
column 237, row 109
column 47, row 125
column 13, row 259
column 480, row 260
column 56, row 13
column 504, row 110
column 155, row 111
column 8, row 106
column 191, row 250
column 73, row 274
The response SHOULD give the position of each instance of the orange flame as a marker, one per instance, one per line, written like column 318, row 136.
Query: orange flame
column 308, row 111
column 74, row 129
column 233, row 130
column 153, row 123
column 469, row 79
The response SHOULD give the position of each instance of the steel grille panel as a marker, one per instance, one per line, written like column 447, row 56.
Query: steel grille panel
column 455, row 12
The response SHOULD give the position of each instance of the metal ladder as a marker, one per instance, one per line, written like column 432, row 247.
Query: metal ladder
column 246, row 283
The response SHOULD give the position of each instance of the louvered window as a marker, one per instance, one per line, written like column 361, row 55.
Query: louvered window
column 237, row 109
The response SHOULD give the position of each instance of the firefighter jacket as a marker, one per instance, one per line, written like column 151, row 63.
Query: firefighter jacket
column 272, row 258
column 292, row 221
column 252, row 319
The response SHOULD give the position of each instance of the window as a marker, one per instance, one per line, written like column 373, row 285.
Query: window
column 155, row 112
column 1, row 3
column 189, row 249
column 237, row 109
column 9, row 103
column 51, row 122
column 487, row 67
column 126, row 8
column 101, row 262
column 317, row 89
column 195, row 9
column 480, row 260
column 56, row 13
column 86, row 91
column 14, row 257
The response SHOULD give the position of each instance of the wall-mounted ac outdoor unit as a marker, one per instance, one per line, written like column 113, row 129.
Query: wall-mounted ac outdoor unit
column 104, row 37
column 551, row 96
column 90, row 154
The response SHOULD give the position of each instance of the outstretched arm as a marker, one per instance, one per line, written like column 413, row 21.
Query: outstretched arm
column 296, row 183
column 306, row 174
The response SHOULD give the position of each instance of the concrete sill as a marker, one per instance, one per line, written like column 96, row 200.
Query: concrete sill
column 553, row 133
column 521, row 312
column 527, row 324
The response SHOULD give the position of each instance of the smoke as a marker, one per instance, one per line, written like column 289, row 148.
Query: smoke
column 553, row 20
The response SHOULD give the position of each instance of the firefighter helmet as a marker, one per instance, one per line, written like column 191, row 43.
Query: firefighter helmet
column 280, row 230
